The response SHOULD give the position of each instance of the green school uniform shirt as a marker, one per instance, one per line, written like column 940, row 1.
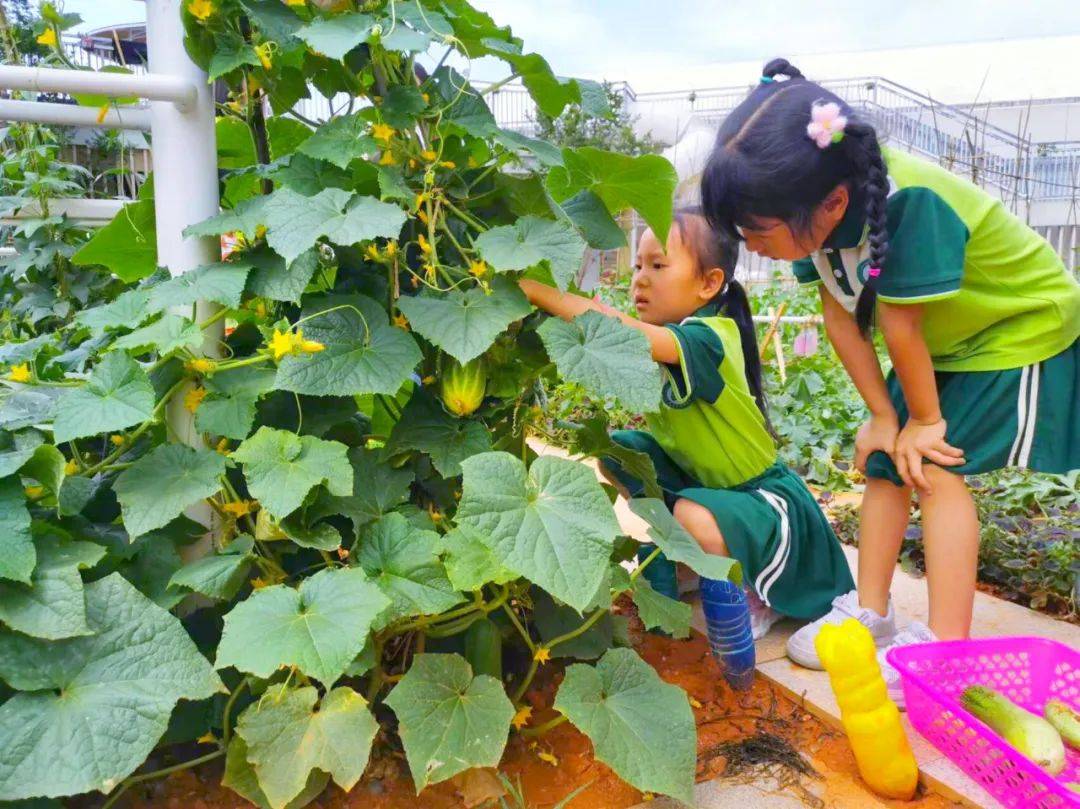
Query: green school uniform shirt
column 995, row 293
column 709, row 423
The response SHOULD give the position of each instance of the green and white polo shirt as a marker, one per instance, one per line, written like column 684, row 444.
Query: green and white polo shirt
column 996, row 294
column 709, row 423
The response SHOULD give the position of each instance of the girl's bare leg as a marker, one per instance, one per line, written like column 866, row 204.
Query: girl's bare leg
column 883, row 519
column 701, row 525
column 951, row 539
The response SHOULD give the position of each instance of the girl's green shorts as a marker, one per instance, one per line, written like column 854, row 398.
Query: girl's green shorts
column 1024, row 417
column 771, row 524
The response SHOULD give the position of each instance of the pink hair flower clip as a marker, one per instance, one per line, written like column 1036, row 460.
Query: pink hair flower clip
column 826, row 124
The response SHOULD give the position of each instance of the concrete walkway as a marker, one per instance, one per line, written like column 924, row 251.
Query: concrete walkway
column 992, row 617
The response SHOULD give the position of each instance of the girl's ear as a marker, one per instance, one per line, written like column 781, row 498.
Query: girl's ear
column 712, row 282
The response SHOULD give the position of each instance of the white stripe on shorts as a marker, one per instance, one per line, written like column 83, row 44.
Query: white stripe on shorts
column 1032, row 419
column 1021, row 415
column 775, row 568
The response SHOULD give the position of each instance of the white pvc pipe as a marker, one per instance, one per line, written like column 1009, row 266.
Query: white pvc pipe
column 44, row 112
column 162, row 87
column 185, row 192
column 790, row 319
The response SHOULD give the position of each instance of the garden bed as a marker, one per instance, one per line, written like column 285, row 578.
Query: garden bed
column 755, row 734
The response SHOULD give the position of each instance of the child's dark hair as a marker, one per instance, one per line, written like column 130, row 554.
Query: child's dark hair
column 765, row 165
column 713, row 248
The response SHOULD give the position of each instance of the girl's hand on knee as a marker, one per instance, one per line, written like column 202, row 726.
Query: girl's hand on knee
column 917, row 441
column 879, row 433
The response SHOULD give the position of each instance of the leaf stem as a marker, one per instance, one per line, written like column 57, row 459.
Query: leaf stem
column 465, row 217
column 226, row 730
column 540, row 730
column 138, row 779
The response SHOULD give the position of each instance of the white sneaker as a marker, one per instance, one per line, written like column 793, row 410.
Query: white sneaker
column 914, row 632
column 762, row 616
column 800, row 646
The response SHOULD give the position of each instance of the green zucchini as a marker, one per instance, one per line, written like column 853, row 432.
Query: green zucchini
column 483, row 648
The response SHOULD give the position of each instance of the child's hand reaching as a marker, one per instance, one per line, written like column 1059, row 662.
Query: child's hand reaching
column 917, row 441
column 879, row 433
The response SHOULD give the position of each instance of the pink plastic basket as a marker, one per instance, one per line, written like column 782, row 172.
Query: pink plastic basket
column 1028, row 671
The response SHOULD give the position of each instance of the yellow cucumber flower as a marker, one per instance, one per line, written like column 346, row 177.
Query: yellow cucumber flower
column 34, row 492
column 382, row 132
column 200, row 9
column 48, row 39
column 429, row 155
column 281, row 344
column 240, row 508
column 372, row 252
column 20, row 373
column 401, row 321
column 478, row 268
column 522, row 717
column 117, row 439
column 391, row 249
column 422, row 216
column 387, row 159
column 425, row 245
column 542, row 655
column 71, row 467
column 193, row 398
column 448, row 164
column 264, row 51
column 201, row 365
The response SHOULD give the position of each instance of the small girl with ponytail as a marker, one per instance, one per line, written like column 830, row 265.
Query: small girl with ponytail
column 710, row 443
column 979, row 315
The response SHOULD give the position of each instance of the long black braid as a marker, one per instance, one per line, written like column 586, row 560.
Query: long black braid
column 872, row 178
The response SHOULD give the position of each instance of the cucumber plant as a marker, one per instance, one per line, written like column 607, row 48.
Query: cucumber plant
column 387, row 549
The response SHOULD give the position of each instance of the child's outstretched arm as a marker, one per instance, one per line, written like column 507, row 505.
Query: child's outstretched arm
column 924, row 434
column 568, row 306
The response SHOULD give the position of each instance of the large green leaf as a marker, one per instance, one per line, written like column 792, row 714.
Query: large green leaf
column 340, row 141
column 319, row 628
column 639, row 725
column 592, row 438
column 553, row 524
column 287, row 738
column 404, row 560
column 448, row 719
column 657, row 611
column 679, row 546
column 607, row 357
column 378, row 488
column 230, row 403
column 165, row 335
column 546, row 153
column 426, row 427
column 244, row 218
column 230, row 52
column 362, row 354
column 46, row 466
column 93, row 707
column 532, row 241
column 465, row 324
column 16, row 449
column 295, row 222
column 281, row 468
column 590, row 216
column 52, row 606
column 336, row 36
column 272, row 277
column 165, row 481
column 118, row 395
column 401, row 105
column 469, row 562
column 219, row 575
column 127, row 246
column 645, row 183
column 127, row 311
column 221, row 283
column 17, row 555
column 240, row 777
column 25, row 351
column 22, row 406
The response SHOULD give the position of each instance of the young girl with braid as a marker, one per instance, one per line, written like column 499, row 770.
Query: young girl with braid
column 709, row 442
column 978, row 314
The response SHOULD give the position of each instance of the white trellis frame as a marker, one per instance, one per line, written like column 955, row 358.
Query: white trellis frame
column 184, row 155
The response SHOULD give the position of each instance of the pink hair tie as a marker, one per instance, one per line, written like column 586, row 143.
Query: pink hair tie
column 826, row 124
column 873, row 272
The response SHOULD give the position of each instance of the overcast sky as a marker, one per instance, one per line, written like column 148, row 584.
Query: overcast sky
column 627, row 39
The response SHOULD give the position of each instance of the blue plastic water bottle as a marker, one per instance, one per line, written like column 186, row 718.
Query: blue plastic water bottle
column 727, row 619
column 660, row 573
